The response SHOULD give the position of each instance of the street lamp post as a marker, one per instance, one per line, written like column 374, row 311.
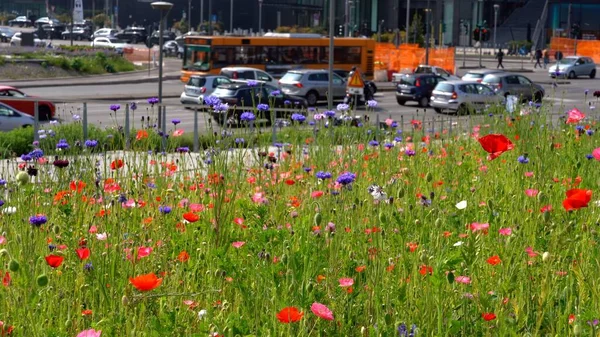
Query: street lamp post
column 189, row 15
column 260, row 2
column 231, row 17
column 480, row 29
column 331, row 49
column 407, row 19
column 201, row 14
column 496, row 7
column 210, row 22
column 164, row 8
column 427, row 11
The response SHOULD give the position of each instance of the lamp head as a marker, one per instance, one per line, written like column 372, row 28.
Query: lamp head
column 162, row 5
column 496, row 6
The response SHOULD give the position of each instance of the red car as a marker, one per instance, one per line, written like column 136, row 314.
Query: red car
column 46, row 109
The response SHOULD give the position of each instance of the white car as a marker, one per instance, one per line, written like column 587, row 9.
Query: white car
column 245, row 74
column 104, row 32
column 572, row 67
column 463, row 97
column 173, row 48
column 110, row 42
column 11, row 118
column 200, row 86
column 16, row 40
column 46, row 21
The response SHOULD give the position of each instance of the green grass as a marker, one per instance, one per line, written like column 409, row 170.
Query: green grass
column 405, row 257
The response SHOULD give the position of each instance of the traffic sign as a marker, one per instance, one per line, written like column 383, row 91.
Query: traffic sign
column 356, row 81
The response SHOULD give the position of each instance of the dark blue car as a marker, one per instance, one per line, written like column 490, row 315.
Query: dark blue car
column 416, row 88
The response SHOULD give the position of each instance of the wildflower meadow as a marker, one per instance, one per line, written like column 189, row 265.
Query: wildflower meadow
column 332, row 229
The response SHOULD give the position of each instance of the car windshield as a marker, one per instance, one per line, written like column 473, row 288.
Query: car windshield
column 197, row 81
column 491, row 79
column 473, row 76
column 291, row 77
column 444, row 87
column 423, row 70
column 220, row 92
column 408, row 80
column 567, row 61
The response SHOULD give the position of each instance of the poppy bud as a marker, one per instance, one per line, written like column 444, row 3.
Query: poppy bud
column 429, row 177
column 542, row 197
column 42, row 280
column 318, row 219
column 382, row 218
column 546, row 216
column 4, row 252
column 22, row 178
column 400, row 193
column 56, row 229
column 438, row 222
column 577, row 329
column 13, row 265
column 125, row 300
column 68, row 323
column 490, row 203
column 546, row 256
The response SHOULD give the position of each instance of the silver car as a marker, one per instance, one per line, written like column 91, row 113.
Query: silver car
column 312, row 84
column 463, row 97
column 200, row 86
column 573, row 66
column 479, row 74
column 11, row 118
column 506, row 84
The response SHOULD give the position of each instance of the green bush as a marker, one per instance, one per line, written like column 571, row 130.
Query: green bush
column 77, row 64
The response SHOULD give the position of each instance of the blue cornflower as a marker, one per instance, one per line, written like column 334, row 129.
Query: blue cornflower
column 133, row 106
column 240, row 141
column 212, row 100
column 389, row 145
column 1, row 203
column 153, row 100
column 346, row 178
column 247, row 116
column 398, row 139
column 175, row 121
column 26, row 157
column 589, row 156
column 91, row 143
column 2, row 182
column 62, row 144
column 88, row 266
column 38, row 220
column 410, row 152
column 252, row 83
column 115, row 107
column 36, row 154
column 590, row 132
column 323, row 175
column 374, row 143
column 51, row 247
column 394, row 124
column 164, row 209
column 298, row 117
column 580, row 128
column 183, row 149
column 278, row 145
column 262, row 107
column 342, row 107
column 372, row 103
column 275, row 93
column 307, row 169
column 287, row 102
column 122, row 198
column 221, row 107
column 523, row 159
column 330, row 113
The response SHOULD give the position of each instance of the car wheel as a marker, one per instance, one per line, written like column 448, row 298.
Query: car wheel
column 537, row 98
column 312, row 98
column 423, row 102
column 593, row 74
column 44, row 113
column 438, row 110
column 572, row 75
column 462, row 110
column 401, row 102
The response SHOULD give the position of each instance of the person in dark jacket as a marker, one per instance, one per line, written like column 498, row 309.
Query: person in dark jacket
column 538, row 57
column 500, row 56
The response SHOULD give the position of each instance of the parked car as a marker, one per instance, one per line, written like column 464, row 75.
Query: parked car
column 478, row 75
column 53, row 31
column 573, row 66
column 6, row 34
column 45, row 21
column 110, row 42
column 416, row 88
column 244, row 74
column 172, row 48
column 243, row 95
column 11, row 118
column 344, row 74
column 132, row 35
column 425, row 69
column 312, row 84
column 463, row 97
column 21, row 21
column 167, row 36
column 46, row 109
column 79, row 34
column 16, row 40
column 104, row 32
column 514, row 84
column 200, row 86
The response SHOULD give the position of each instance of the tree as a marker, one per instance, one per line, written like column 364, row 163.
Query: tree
column 416, row 27
column 101, row 20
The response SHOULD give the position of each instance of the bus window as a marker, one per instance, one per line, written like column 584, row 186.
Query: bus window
column 271, row 55
column 196, row 60
column 347, row 55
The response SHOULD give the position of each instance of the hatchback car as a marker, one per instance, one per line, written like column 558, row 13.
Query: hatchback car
column 245, row 74
column 478, row 75
column 16, row 40
column 26, row 103
column 21, row 21
column 463, row 97
column 6, row 34
column 11, row 118
column 242, row 95
column 416, row 88
column 200, row 86
column 441, row 72
column 506, row 84
column 312, row 84
column 573, row 66
column 104, row 32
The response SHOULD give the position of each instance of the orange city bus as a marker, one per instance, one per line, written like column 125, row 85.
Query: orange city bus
column 274, row 53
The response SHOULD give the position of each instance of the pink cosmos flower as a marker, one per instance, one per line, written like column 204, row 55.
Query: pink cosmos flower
column 93, row 230
column 177, row 133
column 479, row 227
column 575, row 116
column 529, row 174
column 259, row 198
column 102, row 236
column 530, row 252
column 196, row 207
column 505, row 231
column 596, row 154
column 346, row 282
column 531, row 192
column 322, row 311
column 143, row 252
column 389, row 122
column 463, row 279
column 2, row 240
column 238, row 244
column 129, row 203
column 89, row 333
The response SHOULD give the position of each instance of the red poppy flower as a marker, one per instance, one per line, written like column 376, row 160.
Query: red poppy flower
column 6, row 279
column 145, row 282
column 575, row 116
column 116, row 164
column 77, row 185
column 183, row 256
column 495, row 145
column 54, row 261
column 191, row 217
column 488, row 316
column 289, row 315
column 290, row 182
column 494, row 260
column 83, row 253
column 577, row 198
column 141, row 134
column 424, row 270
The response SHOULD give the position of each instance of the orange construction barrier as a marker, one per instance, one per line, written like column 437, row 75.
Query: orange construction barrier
column 589, row 48
column 565, row 45
column 408, row 56
column 569, row 47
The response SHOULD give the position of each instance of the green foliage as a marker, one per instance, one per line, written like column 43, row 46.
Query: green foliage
column 417, row 26
column 182, row 26
column 297, row 29
column 522, row 43
column 101, row 20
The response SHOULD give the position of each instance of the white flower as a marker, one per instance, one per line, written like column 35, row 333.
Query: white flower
column 9, row 210
column 458, row 244
column 102, row 236
column 201, row 314
column 462, row 205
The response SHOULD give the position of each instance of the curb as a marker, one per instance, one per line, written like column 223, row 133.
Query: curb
column 92, row 82
column 116, row 99
column 135, row 72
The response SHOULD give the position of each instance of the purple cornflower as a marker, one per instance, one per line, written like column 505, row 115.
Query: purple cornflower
column 410, row 152
column 252, row 83
column 346, row 178
column 374, row 143
column 372, row 103
column 275, row 93
column 26, row 157
column 115, row 107
column 342, row 107
column 152, row 100
column 164, row 209
column 262, row 107
column 62, row 144
column 36, row 154
column 91, row 143
column 175, row 121
column 133, row 106
column 38, row 220
column 247, row 116
column 212, row 101
column 523, row 159
column 323, row 175
column 298, row 117
column 240, row 141
column 183, row 149
column 330, row 113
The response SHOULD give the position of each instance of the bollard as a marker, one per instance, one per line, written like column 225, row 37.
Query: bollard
column 196, row 135
column 85, row 122
column 36, row 121
column 127, row 138
column 164, row 128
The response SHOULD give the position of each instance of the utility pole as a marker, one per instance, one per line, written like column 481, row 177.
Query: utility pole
column 427, row 11
column 189, row 15
column 569, row 23
column 201, row 14
column 496, row 7
column 71, row 28
column 260, row 2
column 331, row 50
column 480, row 30
column 407, row 20
column 231, row 17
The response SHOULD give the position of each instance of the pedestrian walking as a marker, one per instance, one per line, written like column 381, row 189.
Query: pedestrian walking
column 538, row 57
column 546, row 55
column 558, row 55
column 500, row 56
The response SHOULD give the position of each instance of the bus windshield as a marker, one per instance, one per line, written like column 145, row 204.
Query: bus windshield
column 196, row 58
